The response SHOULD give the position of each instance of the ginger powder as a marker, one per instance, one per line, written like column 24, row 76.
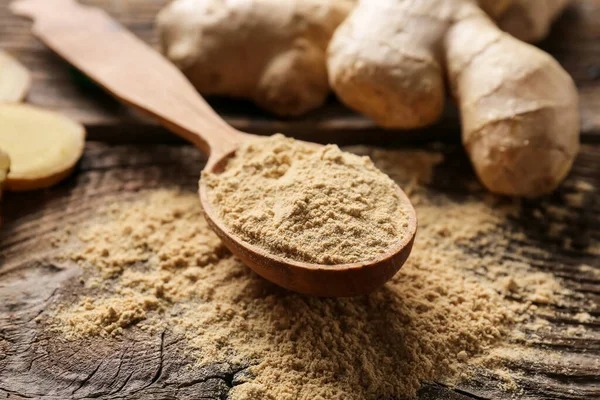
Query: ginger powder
column 308, row 203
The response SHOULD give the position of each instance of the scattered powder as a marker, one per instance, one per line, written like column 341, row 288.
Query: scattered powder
column 308, row 203
column 594, row 248
column 528, row 286
column 575, row 199
column 583, row 317
column 110, row 316
column 160, row 267
column 588, row 269
column 165, row 259
column 584, row 186
column 556, row 229
column 408, row 166
column 577, row 331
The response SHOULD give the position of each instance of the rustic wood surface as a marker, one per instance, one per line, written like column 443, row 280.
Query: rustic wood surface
column 36, row 363
column 574, row 41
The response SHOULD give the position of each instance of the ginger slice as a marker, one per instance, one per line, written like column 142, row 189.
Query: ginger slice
column 15, row 79
column 43, row 146
column 4, row 168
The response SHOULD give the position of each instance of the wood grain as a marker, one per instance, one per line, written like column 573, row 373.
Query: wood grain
column 35, row 362
column 574, row 41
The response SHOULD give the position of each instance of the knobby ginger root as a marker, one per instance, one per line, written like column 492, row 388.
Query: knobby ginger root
column 43, row 146
column 529, row 20
column 15, row 80
column 270, row 51
column 526, row 20
column 519, row 108
column 495, row 8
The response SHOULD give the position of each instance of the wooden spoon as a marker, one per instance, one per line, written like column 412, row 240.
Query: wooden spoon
column 139, row 76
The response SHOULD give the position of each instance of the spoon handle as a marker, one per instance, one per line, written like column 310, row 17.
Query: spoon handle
column 129, row 69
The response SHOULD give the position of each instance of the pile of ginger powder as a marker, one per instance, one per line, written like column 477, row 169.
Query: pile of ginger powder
column 155, row 265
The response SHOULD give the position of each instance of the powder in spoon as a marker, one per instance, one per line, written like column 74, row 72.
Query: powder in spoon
column 308, row 203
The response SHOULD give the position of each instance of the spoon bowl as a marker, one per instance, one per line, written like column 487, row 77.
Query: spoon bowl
column 137, row 75
column 339, row 280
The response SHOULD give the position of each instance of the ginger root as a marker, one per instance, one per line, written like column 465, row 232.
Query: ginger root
column 495, row 8
column 15, row 79
column 43, row 146
column 519, row 109
column 529, row 20
column 270, row 51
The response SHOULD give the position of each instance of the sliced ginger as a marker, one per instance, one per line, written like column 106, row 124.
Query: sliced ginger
column 15, row 79
column 4, row 168
column 43, row 146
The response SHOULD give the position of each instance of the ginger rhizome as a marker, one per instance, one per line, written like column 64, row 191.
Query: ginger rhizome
column 529, row 20
column 43, row 146
column 4, row 168
column 519, row 109
column 269, row 51
column 392, row 60
column 526, row 20
column 15, row 79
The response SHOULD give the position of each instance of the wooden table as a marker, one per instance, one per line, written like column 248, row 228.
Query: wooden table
column 127, row 153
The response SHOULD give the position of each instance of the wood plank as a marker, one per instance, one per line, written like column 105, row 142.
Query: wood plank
column 575, row 42
column 36, row 362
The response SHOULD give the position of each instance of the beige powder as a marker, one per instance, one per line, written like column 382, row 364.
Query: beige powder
column 110, row 316
column 308, row 203
column 169, row 265
column 160, row 267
